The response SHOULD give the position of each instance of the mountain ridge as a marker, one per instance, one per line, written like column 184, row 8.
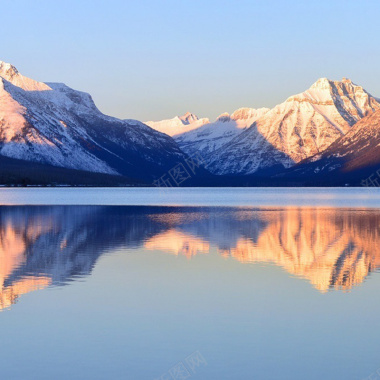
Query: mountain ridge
column 303, row 125
column 250, row 141
column 178, row 124
column 54, row 125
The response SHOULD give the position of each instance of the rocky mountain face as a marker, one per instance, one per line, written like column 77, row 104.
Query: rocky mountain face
column 360, row 147
column 302, row 126
column 352, row 158
column 52, row 124
column 178, row 125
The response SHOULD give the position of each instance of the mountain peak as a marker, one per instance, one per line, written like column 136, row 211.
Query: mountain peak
column 321, row 84
column 224, row 117
column 179, row 124
column 7, row 71
column 188, row 118
column 324, row 83
column 12, row 75
column 346, row 80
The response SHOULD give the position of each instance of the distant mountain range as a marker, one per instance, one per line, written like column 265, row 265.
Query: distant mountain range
column 327, row 134
column 179, row 124
column 210, row 137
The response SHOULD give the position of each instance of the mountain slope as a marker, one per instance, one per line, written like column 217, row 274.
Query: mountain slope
column 352, row 158
column 179, row 124
column 210, row 137
column 52, row 124
column 305, row 124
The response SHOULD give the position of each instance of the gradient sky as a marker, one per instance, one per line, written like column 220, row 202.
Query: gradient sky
column 151, row 60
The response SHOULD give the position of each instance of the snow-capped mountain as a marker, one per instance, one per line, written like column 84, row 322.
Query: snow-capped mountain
column 332, row 125
column 53, row 124
column 302, row 126
column 178, row 125
column 210, row 137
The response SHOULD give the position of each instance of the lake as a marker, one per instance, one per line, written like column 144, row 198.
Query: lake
column 190, row 283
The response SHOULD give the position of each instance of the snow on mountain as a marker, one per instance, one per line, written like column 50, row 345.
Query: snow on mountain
column 360, row 147
column 189, row 118
column 302, row 126
column 11, row 74
column 53, row 124
column 209, row 137
column 358, row 151
column 179, row 124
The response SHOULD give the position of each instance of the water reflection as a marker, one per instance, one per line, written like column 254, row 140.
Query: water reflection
column 53, row 245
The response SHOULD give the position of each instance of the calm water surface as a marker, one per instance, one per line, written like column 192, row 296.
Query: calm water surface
column 335, row 197
column 225, row 284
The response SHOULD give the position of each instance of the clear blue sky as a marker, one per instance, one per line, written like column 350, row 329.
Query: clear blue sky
column 148, row 59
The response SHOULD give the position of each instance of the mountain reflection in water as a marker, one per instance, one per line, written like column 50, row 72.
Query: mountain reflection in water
column 53, row 245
